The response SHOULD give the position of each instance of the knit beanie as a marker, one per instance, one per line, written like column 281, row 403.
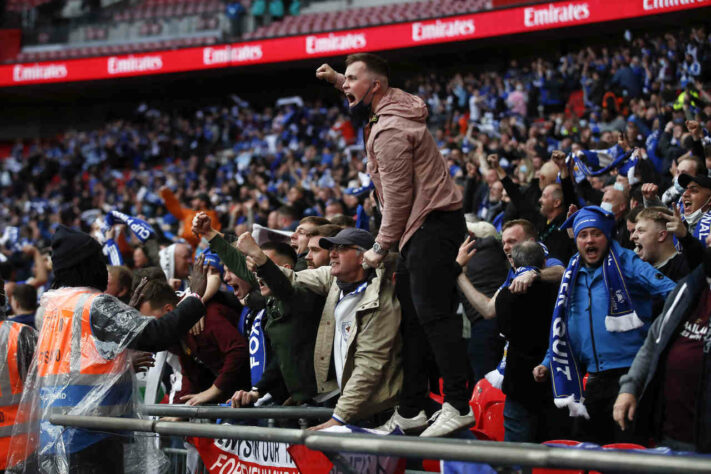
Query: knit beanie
column 70, row 247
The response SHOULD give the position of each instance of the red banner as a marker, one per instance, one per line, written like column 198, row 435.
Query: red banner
column 402, row 35
column 226, row 456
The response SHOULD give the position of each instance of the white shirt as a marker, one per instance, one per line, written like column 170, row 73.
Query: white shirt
column 345, row 316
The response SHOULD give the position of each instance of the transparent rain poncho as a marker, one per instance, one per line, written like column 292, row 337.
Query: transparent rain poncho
column 17, row 346
column 82, row 366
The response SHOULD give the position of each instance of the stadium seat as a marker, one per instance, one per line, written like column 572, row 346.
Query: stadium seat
column 368, row 16
column 620, row 446
column 484, row 395
column 559, row 442
column 623, row 446
column 490, row 425
column 431, row 465
column 438, row 397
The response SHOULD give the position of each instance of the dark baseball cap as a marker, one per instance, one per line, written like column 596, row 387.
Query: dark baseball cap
column 349, row 236
column 700, row 179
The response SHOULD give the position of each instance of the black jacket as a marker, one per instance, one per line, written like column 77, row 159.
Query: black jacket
column 525, row 320
column 486, row 270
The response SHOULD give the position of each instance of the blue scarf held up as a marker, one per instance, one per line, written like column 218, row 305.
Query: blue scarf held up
column 140, row 228
column 111, row 250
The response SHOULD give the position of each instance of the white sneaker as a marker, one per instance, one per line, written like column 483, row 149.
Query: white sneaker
column 405, row 424
column 448, row 420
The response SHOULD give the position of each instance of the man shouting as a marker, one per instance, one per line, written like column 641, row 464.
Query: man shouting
column 422, row 218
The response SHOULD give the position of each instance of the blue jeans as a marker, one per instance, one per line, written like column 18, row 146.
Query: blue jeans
column 534, row 425
column 485, row 347
column 520, row 424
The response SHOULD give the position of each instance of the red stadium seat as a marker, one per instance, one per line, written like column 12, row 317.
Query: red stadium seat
column 564, row 442
column 438, row 397
column 484, row 395
column 623, row 446
column 491, row 423
column 431, row 465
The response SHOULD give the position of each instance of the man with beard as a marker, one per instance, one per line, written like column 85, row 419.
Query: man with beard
column 601, row 317
column 299, row 240
column 316, row 255
column 422, row 218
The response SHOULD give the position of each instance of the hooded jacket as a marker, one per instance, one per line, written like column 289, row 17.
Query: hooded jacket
column 410, row 175
column 643, row 380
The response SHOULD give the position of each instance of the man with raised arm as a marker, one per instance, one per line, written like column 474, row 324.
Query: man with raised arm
column 423, row 219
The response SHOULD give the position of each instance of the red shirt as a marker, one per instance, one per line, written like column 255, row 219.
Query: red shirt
column 219, row 355
column 683, row 373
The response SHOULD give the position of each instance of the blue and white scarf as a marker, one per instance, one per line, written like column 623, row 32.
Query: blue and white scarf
column 111, row 250
column 362, row 219
column 703, row 228
column 140, row 228
column 598, row 162
column 566, row 376
column 257, row 345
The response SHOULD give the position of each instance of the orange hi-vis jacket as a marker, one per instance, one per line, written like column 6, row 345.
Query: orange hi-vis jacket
column 74, row 378
column 11, row 386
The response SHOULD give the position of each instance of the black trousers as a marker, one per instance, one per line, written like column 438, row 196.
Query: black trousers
column 600, row 394
column 426, row 286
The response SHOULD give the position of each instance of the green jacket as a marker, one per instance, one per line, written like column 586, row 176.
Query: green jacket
column 292, row 317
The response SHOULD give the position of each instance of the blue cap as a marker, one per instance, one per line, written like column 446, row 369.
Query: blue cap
column 591, row 216
column 213, row 260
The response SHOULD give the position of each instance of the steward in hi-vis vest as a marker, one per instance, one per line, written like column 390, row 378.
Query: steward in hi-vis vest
column 17, row 345
column 82, row 366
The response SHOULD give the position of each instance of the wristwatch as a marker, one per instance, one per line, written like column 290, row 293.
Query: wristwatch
column 378, row 249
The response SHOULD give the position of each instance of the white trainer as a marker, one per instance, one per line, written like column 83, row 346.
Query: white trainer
column 418, row 423
column 448, row 420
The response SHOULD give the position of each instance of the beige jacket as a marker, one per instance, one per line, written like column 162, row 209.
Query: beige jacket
column 372, row 376
column 410, row 175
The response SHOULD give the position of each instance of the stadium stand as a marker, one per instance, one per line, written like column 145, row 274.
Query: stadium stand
column 366, row 16
column 150, row 25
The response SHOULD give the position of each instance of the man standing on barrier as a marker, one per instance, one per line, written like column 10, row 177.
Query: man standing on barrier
column 422, row 216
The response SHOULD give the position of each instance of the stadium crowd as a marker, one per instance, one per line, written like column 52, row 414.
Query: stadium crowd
column 585, row 186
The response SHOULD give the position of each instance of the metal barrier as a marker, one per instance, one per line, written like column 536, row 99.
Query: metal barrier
column 179, row 463
column 212, row 412
column 498, row 453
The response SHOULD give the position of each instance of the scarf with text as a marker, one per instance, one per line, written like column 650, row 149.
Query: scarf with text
column 566, row 376
column 140, row 228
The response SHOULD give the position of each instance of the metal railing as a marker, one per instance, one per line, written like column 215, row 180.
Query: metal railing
column 499, row 453
column 211, row 412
